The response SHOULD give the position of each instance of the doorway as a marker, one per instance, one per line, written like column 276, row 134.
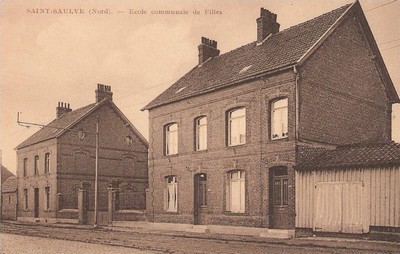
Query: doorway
column 200, row 199
column 36, row 205
column 279, row 189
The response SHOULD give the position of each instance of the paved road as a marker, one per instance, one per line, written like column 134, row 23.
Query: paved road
column 13, row 244
column 173, row 242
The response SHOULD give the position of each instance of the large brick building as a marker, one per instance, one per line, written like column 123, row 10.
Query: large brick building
column 56, row 165
column 226, row 137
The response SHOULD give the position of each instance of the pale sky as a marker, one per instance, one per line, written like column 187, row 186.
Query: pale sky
column 47, row 58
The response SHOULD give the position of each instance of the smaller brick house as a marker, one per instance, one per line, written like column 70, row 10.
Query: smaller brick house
column 8, row 194
column 56, row 165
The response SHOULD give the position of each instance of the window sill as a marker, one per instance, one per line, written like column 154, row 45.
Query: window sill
column 167, row 212
column 171, row 155
column 201, row 151
column 279, row 139
column 234, row 146
column 235, row 213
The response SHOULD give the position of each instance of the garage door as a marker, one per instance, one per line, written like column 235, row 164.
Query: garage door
column 338, row 207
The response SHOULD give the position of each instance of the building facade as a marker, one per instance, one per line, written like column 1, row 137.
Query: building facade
column 226, row 137
column 57, row 164
column 8, row 196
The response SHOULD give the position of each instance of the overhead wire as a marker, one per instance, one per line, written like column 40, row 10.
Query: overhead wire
column 379, row 6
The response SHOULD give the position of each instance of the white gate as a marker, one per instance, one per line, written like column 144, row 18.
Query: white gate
column 338, row 207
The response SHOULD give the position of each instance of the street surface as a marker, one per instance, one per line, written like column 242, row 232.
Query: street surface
column 20, row 244
column 18, row 238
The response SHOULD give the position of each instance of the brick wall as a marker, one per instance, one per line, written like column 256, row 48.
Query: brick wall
column 72, row 161
column 9, row 206
column 40, row 181
column 342, row 98
column 255, row 157
column 118, row 160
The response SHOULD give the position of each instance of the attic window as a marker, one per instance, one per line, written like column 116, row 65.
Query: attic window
column 180, row 90
column 245, row 69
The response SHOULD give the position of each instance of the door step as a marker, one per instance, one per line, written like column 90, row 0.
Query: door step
column 198, row 229
column 278, row 233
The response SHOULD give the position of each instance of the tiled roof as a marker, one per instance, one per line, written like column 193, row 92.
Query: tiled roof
column 279, row 50
column 5, row 174
column 10, row 185
column 368, row 155
column 62, row 122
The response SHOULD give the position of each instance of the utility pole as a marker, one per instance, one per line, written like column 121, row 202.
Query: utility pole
column 1, row 185
column 96, row 174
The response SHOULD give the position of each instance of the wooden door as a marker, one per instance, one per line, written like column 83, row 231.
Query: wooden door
column 200, row 199
column 338, row 207
column 36, row 205
column 279, row 191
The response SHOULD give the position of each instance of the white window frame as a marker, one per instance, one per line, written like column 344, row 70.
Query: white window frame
column 237, row 127
column 279, row 119
column 201, row 133
column 171, row 194
column 236, row 198
column 171, row 139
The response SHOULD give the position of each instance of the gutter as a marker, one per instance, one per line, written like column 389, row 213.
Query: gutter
column 297, row 110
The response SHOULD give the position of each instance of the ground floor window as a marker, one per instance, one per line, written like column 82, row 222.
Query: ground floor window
column 26, row 199
column 236, row 192
column 171, row 194
column 47, row 198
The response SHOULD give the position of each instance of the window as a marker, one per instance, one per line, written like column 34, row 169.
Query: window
column 36, row 165
column 47, row 198
column 279, row 119
column 280, row 187
column 236, row 192
column 25, row 167
column 237, row 127
column 171, row 139
column 201, row 133
column 47, row 163
column 171, row 197
column 26, row 199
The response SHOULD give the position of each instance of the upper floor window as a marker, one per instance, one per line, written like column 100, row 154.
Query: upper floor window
column 47, row 163
column 237, row 127
column 171, row 139
column 279, row 119
column 36, row 165
column 171, row 194
column 25, row 167
column 236, row 192
column 201, row 133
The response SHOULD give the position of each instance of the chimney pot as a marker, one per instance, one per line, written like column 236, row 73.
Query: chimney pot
column 266, row 25
column 62, row 109
column 103, row 92
column 207, row 49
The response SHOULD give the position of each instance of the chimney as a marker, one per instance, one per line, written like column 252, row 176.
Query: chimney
column 103, row 92
column 266, row 25
column 62, row 109
column 207, row 49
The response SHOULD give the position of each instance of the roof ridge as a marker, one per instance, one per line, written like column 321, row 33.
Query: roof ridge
column 313, row 19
